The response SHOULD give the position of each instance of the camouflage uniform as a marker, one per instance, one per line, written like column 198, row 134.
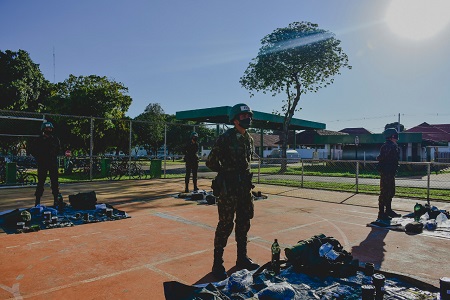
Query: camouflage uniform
column 231, row 157
column 191, row 159
column 45, row 150
column 388, row 164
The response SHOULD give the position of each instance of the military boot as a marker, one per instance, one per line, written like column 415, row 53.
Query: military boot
column 243, row 261
column 58, row 202
column 382, row 214
column 195, row 185
column 218, row 270
column 390, row 212
column 186, row 187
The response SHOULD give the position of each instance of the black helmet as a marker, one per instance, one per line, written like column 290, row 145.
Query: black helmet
column 46, row 125
column 390, row 133
column 239, row 109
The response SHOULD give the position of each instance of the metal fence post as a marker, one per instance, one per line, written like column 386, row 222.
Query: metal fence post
column 91, row 149
column 129, row 150
column 428, row 181
column 165, row 148
column 302, row 175
column 357, row 175
column 259, row 168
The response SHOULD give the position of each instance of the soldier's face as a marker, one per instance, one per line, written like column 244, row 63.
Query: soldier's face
column 244, row 116
column 48, row 131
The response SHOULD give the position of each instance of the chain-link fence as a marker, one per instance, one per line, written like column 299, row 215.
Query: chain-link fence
column 429, row 180
column 111, row 149
column 95, row 148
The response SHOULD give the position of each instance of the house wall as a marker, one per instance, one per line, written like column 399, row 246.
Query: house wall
column 438, row 153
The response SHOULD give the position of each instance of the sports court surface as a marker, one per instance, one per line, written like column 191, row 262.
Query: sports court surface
column 171, row 239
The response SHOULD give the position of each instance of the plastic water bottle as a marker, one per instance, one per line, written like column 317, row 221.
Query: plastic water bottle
column 367, row 292
column 441, row 218
column 276, row 256
column 417, row 209
column 324, row 249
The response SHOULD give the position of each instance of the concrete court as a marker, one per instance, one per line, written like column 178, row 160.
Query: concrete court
column 172, row 239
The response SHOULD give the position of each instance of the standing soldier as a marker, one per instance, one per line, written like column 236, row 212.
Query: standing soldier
column 191, row 159
column 230, row 157
column 45, row 150
column 387, row 166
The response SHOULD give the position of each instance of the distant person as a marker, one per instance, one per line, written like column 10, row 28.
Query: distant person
column 387, row 166
column 230, row 157
column 191, row 159
column 45, row 150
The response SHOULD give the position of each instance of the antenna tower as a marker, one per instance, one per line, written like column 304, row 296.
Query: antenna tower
column 54, row 68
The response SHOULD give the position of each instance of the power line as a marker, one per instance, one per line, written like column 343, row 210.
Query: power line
column 363, row 118
column 390, row 116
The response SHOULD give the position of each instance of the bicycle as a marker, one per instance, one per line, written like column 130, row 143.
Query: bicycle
column 25, row 178
column 2, row 172
column 119, row 168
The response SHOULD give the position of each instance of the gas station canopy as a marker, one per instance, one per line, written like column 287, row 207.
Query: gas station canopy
column 261, row 120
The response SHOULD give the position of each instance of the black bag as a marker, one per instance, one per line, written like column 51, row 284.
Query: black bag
column 210, row 199
column 197, row 196
column 414, row 227
column 83, row 201
column 305, row 255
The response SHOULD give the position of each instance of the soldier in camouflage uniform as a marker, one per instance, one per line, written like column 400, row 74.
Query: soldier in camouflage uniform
column 230, row 157
column 45, row 150
column 191, row 159
column 387, row 166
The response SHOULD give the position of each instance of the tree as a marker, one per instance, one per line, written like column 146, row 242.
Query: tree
column 179, row 133
column 395, row 125
column 22, row 85
column 90, row 96
column 294, row 60
column 151, row 130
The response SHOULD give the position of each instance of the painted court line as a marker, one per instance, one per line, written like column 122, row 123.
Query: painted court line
column 33, row 243
column 184, row 221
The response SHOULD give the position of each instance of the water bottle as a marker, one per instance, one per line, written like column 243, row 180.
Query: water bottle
column 378, row 281
column 367, row 292
column 369, row 269
column 417, row 210
column 276, row 257
column 324, row 249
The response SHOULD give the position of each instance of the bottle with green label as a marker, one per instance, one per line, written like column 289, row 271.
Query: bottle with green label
column 417, row 209
column 276, row 257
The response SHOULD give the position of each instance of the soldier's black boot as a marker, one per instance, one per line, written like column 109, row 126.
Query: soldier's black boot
column 390, row 212
column 58, row 202
column 382, row 214
column 37, row 201
column 218, row 270
column 186, row 184
column 195, row 185
column 243, row 261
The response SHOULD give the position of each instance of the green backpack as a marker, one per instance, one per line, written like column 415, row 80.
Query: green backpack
column 305, row 256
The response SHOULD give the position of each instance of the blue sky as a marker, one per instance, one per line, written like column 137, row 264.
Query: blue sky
column 190, row 54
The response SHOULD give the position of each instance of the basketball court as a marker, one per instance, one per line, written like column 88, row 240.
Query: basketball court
column 171, row 239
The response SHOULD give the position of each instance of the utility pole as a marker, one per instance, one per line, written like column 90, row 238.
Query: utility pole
column 398, row 125
column 54, row 68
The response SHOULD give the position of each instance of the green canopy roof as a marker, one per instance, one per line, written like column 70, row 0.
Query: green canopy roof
column 260, row 119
